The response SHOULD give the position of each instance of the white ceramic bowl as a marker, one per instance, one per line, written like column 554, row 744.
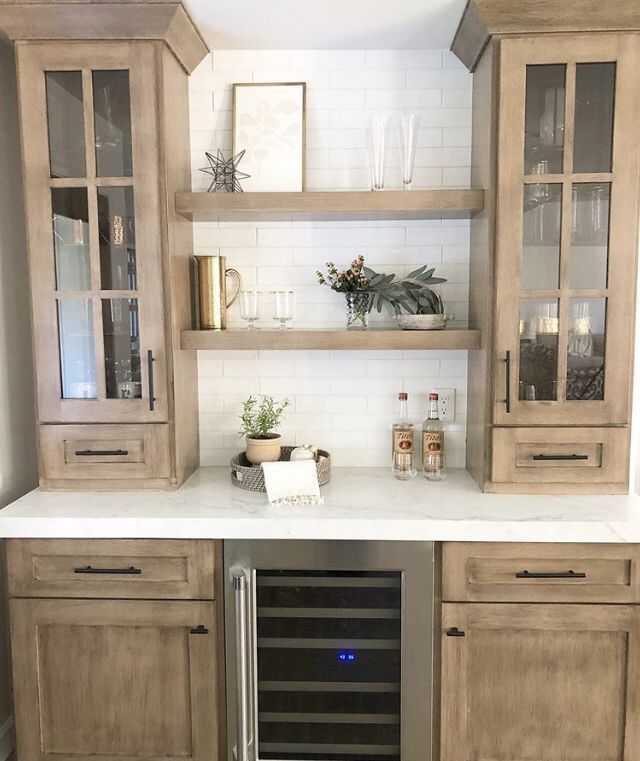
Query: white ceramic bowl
column 422, row 321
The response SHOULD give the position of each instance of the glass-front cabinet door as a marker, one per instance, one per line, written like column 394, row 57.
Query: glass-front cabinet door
column 94, row 232
column 566, row 231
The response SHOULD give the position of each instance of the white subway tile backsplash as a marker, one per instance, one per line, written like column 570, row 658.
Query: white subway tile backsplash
column 343, row 401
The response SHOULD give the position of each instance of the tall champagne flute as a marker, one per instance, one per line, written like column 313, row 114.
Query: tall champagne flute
column 407, row 127
column 378, row 133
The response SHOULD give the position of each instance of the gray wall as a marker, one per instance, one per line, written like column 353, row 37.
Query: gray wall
column 18, row 467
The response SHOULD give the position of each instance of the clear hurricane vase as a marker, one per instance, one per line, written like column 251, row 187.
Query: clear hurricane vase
column 358, row 308
column 408, row 126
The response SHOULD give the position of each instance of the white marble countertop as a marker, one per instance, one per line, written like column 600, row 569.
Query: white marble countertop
column 360, row 503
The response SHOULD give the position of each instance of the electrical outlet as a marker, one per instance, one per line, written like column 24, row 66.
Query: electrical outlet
column 446, row 404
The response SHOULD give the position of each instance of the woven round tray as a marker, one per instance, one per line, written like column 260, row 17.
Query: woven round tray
column 251, row 477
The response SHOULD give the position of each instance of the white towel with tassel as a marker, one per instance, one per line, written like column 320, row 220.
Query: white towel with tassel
column 292, row 483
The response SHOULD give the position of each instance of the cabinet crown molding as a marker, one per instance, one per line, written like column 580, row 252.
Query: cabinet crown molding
column 483, row 19
column 151, row 20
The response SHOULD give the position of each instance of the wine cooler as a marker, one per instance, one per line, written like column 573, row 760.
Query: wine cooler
column 329, row 649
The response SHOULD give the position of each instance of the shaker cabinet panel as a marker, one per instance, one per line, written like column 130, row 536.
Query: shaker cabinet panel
column 567, row 210
column 114, row 680
column 552, row 682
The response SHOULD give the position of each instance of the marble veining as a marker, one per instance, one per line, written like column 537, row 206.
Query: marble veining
column 360, row 503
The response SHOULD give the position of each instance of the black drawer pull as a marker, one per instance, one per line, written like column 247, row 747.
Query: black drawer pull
column 152, row 398
column 102, row 452
column 551, row 457
column 551, row 575
column 130, row 571
column 454, row 632
column 199, row 630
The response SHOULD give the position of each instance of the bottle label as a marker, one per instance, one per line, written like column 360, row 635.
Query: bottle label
column 403, row 442
column 432, row 441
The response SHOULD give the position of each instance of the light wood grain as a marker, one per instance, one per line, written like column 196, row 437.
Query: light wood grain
column 486, row 572
column 147, row 448
column 50, row 21
column 606, row 448
column 483, row 19
column 114, row 679
column 331, row 339
column 540, row 681
column 170, row 569
column 352, row 204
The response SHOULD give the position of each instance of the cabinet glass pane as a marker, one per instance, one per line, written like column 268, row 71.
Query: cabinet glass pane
column 77, row 359
column 117, row 239
column 541, row 236
column 121, row 348
column 538, row 350
column 112, row 116
column 589, row 235
column 65, row 120
column 586, row 349
column 544, row 119
column 593, row 130
column 71, row 238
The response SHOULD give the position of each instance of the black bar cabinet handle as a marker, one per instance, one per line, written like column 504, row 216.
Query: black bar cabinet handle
column 507, row 382
column 454, row 632
column 199, row 630
column 551, row 457
column 130, row 571
column 551, row 575
column 152, row 398
column 102, row 452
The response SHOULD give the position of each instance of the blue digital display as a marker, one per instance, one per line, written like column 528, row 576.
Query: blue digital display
column 346, row 656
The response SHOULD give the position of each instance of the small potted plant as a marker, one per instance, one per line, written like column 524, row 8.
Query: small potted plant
column 260, row 418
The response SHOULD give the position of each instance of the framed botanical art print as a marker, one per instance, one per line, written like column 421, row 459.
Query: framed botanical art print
column 269, row 125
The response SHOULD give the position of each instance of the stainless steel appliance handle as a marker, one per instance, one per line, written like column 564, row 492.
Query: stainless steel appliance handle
column 243, row 676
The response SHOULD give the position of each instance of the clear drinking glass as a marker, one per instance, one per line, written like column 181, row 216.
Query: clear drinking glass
column 283, row 307
column 378, row 134
column 250, row 307
column 435, row 467
column 408, row 126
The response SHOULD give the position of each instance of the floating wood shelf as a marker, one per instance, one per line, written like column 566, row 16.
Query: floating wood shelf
column 348, row 204
column 374, row 338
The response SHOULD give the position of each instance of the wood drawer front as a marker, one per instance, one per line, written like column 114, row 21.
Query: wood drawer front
column 559, row 455
column 112, row 568
column 490, row 572
column 104, row 451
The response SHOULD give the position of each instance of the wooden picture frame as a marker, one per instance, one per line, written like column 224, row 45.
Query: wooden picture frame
column 277, row 163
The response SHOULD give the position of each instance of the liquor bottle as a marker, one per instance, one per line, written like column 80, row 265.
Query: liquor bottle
column 432, row 439
column 402, row 463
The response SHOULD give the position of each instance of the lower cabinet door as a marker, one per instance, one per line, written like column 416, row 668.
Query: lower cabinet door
column 540, row 683
column 114, row 680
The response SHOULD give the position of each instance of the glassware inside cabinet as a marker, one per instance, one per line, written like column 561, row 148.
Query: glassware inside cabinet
column 586, row 349
column 70, row 220
column 544, row 118
column 538, row 350
column 589, row 261
column 77, row 353
column 65, row 121
column 541, row 236
column 117, row 238
column 121, row 328
column 593, row 120
column 112, row 123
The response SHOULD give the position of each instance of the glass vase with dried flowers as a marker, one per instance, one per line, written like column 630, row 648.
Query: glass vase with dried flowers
column 355, row 286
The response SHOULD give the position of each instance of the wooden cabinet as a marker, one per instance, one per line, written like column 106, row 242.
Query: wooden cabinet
column 553, row 255
column 535, row 675
column 551, row 682
column 116, row 678
column 105, row 142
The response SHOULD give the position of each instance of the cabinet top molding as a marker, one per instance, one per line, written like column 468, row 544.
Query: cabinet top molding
column 483, row 19
column 84, row 20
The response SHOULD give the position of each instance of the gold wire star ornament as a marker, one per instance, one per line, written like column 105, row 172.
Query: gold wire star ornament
column 224, row 172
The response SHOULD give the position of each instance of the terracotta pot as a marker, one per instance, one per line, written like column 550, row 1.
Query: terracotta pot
column 264, row 450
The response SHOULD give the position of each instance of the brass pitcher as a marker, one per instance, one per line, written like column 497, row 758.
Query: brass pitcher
column 212, row 289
